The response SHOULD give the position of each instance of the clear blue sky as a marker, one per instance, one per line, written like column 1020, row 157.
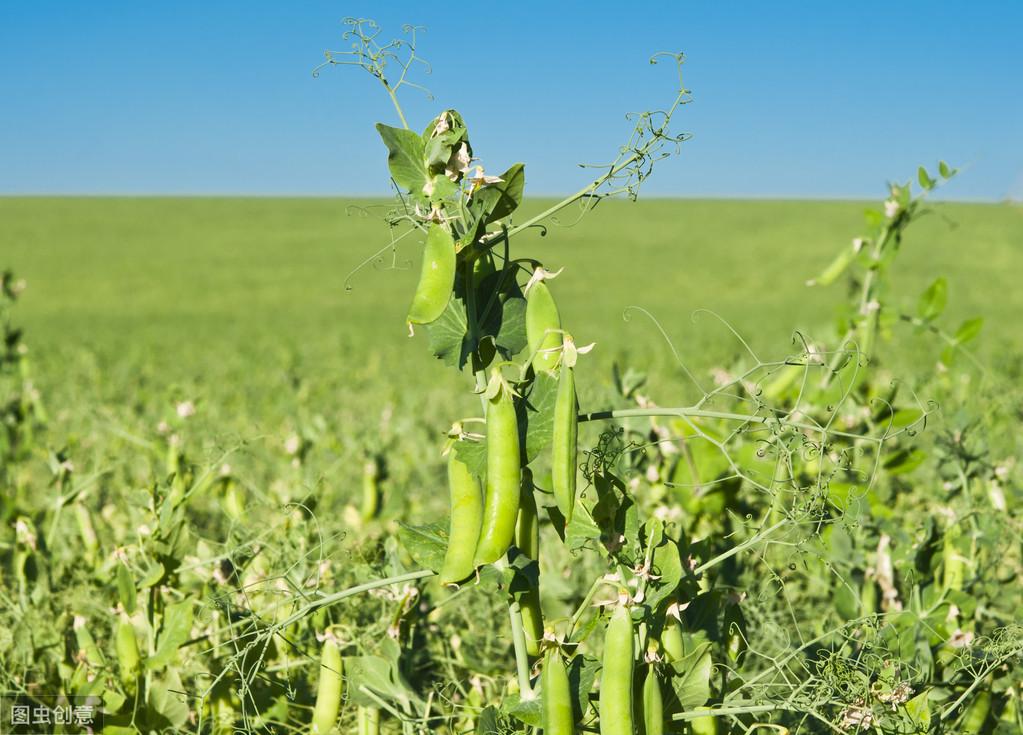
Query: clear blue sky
column 789, row 98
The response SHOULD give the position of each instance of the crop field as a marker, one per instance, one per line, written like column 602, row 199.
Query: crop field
column 225, row 342
column 467, row 462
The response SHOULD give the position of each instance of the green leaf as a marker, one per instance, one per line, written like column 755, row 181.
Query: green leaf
column 919, row 711
column 692, row 683
column 497, row 201
column 487, row 724
column 177, row 624
column 447, row 334
column 426, row 544
column 538, row 415
column 932, row 302
column 405, row 157
column 945, row 171
column 667, row 564
column 582, row 672
column 168, row 700
column 527, row 711
column 379, row 675
column 925, row 181
column 968, row 330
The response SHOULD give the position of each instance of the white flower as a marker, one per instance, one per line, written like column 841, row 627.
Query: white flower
column 540, row 274
column 163, row 427
column 891, row 208
column 442, row 125
column 858, row 243
column 481, row 179
column 960, row 638
column 185, row 409
column 292, row 444
column 870, row 307
column 225, row 470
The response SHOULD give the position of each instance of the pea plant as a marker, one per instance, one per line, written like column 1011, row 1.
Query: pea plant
column 695, row 526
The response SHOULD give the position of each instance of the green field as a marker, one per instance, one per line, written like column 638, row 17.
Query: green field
column 207, row 396
column 204, row 287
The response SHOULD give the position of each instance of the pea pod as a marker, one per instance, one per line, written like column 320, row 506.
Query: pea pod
column 704, row 725
column 501, row 504
column 126, row 646
column 558, row 718
column 671, row 636
column 953, row 560
column 369, row 720
column 370, row 489
column 616, row 703
column 542, row 327
column 466, row 519
column 527, row 539
column 437, row 279
column 977, row 715
column 565, row 443
column 652, row 704
column 328, row 692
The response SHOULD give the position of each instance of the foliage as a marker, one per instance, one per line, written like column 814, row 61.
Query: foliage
column 808, row 545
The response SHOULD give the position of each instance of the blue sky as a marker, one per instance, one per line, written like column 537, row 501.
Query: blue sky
column 789, row 98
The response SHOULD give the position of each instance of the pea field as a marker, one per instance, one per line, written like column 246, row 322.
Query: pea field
column 468, row 461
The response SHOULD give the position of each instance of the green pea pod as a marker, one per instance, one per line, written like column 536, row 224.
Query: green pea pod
column 652, row 704
column 565, row 443
column 706, row 725
column 975, row 720
column 86, row 643
column 466, row 519
column 370, row 489
column 437, row 279
column 616, row 703
column 953, row 560
column 328, row 692
column 558, row 718
column 527, row 539
column 542, row 325
column 126, row 646
column 369, row 720
column 501, row 504
column 671, row 639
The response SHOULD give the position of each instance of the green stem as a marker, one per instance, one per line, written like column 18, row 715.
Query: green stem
column 689, row 411
column 394, row 99
column 755, row 538
column 519, row 642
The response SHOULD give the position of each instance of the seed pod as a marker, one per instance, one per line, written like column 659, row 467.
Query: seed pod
column 126, row 647
column 652, row 704
column 369, row 720
column 501, row 505
column 86, row 643
column 976, row 717
column 705, row 725
column 565, row 443
column 542, row 325
column 527, row 539
column 671, row 636
column 328, row 692
column 558, row 718
column 466, row 519
column 370, row 489
column 616, row 715
column 953, row 561
column 437, row 279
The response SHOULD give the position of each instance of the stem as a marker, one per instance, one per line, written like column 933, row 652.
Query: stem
column 394, row 99
column 722, row 711
column 684, row 411
column 571, row 199
column 337, row 597
column 519, row 642
column 739, row 547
